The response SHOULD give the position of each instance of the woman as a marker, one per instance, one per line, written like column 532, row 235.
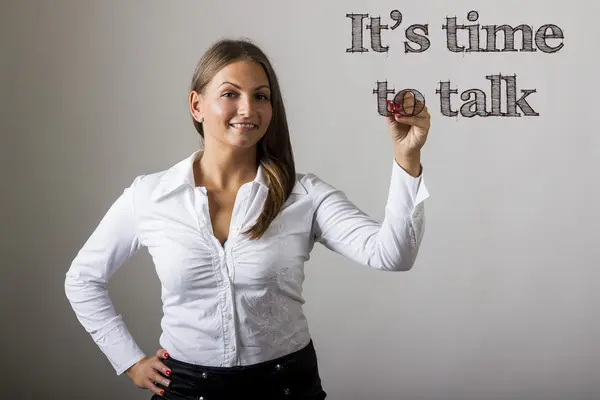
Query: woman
column 229, row 229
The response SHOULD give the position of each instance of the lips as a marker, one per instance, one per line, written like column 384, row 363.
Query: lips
column 243, row 126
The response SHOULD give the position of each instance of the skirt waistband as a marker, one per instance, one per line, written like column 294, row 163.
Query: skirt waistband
column 303, row 357
column 294, row 376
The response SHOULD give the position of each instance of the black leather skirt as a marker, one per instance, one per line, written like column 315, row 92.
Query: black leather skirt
column 295, row 376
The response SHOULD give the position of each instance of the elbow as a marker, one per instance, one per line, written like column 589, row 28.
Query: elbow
column 71, row 286
column 402, row 256
column 403, row 262
column 81, row 284
column 404, row 265
column 410, row 250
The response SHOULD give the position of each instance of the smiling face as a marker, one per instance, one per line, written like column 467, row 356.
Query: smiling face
column 235, row 107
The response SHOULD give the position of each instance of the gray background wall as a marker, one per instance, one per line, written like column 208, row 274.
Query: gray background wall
column 502, row 301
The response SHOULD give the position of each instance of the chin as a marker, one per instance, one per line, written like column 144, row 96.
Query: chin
column 246, row 139
column 243, row 144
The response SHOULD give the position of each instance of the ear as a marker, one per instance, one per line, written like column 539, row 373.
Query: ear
column 195, row 104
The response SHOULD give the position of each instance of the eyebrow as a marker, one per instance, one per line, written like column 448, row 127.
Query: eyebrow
column 256, row 88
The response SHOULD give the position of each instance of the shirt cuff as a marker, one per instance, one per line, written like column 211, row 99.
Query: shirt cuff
column 405, row 190
column 120, row 348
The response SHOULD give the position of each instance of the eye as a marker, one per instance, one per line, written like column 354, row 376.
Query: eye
column 229, row 94
column 262, row 96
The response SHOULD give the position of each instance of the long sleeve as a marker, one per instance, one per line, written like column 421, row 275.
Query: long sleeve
column 112, row 243
column 392, row 244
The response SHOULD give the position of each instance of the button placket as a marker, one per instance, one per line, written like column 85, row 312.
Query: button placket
column 230, row 309
column 229, row 323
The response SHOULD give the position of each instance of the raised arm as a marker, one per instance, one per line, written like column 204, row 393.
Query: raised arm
column 113, row 242
column 394, row 243
column 391, row 244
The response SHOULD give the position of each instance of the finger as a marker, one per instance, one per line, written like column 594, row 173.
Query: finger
column 409, row 99
column 418, row 122
column 390, row 110
column 162, row 353
column 423, row 118
column 153, row 388
column 424, row 113
column 402, row 106
column 161, row 367
column 390, row 107
column 158, row 379
column 408, row 107
column 415, row 109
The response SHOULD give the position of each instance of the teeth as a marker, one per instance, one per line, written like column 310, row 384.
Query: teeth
column 243, row 125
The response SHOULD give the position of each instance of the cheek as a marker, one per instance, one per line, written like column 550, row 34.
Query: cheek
column 266, row 113
column 223, row 110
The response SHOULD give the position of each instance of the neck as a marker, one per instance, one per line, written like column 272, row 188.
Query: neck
column 225, row 169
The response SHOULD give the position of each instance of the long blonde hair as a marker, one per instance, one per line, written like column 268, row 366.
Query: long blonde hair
column 274, row 150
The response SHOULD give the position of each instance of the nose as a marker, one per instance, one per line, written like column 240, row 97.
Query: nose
column 245, row 106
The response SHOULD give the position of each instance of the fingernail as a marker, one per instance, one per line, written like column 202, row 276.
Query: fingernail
column 168, row 372
column 162, row 392
column 166, row 354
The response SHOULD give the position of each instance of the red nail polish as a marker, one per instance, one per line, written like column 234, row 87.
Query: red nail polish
column 168, row 372
column 162, row 392
column 166, row 354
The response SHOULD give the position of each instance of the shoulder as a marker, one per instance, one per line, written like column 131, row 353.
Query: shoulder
column 314, row 184
column 146, row 184
column 153, row 186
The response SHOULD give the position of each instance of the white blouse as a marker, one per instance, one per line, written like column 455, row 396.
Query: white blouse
column 240, row 303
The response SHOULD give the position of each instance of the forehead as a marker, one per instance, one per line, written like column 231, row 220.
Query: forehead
column 246, row 74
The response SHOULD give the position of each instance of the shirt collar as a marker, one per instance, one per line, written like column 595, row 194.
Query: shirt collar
column 182, row 174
